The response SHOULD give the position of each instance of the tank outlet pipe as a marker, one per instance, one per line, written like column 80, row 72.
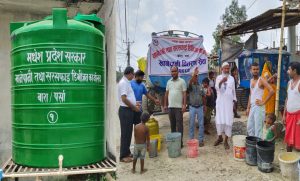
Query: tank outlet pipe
column 60, row 19
column 60, row 162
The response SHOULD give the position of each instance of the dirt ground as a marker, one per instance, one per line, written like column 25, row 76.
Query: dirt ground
column 212, row 164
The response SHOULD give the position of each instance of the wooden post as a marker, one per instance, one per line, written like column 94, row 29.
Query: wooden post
column 280, row 58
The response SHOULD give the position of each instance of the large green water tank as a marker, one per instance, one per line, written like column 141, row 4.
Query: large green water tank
column 58, row 92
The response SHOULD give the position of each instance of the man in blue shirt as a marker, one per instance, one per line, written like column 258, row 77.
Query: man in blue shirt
column 139, row 90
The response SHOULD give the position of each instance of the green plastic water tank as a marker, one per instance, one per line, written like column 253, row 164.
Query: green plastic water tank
column 58, row 92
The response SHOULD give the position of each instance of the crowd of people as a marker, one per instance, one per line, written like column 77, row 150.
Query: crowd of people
column 216, row 95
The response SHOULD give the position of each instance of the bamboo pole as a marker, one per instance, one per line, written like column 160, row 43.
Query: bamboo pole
column 286, row 14
column 280, row 58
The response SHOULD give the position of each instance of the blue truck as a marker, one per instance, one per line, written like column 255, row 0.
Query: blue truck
column 180, row 48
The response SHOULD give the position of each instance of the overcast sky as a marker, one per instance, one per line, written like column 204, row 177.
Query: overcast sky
column 197, row 16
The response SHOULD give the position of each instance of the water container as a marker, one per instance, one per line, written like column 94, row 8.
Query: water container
column 265, row 156
column 239, row 147
column 251, row 152
column 153, row 148
column 153, row 127
column 192, row 148
column 58, row 91
column 174, row 144
column 288, row 162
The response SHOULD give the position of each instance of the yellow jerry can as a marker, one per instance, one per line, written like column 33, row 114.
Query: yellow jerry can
column 152, row 124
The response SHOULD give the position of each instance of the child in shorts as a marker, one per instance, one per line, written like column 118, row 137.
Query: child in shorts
column 142, row 142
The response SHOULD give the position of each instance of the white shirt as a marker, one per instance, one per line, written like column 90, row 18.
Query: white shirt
column 176, row 88
column 227, row 88
column 124, row 88
column 292, row 104
column 256, row 92
column 211, row 82
column 224, row 103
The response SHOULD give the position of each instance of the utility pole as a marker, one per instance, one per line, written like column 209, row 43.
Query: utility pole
column 128, row 43
column 128, row 54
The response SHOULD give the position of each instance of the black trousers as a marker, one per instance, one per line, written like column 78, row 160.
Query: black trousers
column 126, row 116
column 137, row 118
column 176, row 120
column 215, row 95
column 235, row 107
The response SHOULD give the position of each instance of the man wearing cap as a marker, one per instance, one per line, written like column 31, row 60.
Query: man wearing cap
column 126, row 113
column 225, row 87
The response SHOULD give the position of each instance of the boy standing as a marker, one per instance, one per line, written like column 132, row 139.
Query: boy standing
column 142, row 141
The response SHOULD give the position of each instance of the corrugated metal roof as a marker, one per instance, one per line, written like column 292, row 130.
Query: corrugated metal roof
column 271, row 19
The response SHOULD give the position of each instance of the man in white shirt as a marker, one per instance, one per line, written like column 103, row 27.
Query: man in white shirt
column 224, row 105
column 126, row 113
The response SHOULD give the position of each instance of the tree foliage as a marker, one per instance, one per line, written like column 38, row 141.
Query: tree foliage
column 234, row 14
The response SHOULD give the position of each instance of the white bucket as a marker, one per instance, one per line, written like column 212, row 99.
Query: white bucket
column 239, row 147
column 288, row 165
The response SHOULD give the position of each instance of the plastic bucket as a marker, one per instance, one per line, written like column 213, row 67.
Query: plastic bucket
column 251, row 153
column 153, row 148
column 265, row 156
column 173, row 141
column 239, row 147
column 192, row 148
column 288, row 165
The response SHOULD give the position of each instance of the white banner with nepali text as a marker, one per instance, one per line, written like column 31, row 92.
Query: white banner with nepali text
column 184, row 53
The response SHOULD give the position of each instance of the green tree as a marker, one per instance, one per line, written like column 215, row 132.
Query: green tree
column 234, row 14
column 119, row 75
